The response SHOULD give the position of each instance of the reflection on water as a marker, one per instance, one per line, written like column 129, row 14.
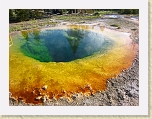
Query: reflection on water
column 36, row 33
column 34, row 47
column 74, row 37
column 63, row 45
column 25, row 35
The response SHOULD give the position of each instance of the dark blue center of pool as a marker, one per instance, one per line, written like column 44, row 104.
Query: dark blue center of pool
column 63, row 45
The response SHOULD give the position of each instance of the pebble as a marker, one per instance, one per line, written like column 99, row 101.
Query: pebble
column 44, row 87
column 38, row 98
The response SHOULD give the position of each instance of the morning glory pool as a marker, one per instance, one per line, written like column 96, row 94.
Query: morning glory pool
column 63, row 45
column 67, row 60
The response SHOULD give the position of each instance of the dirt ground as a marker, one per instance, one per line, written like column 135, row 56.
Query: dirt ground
column 121, row 91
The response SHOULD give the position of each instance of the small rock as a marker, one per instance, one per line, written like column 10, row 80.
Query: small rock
column 44, row 98
column 38, row 98
column 63, row 91
column 33, row 91
column 64, row 23
column 44, row 87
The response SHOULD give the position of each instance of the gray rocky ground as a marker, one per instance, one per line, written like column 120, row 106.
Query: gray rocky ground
column 121, row 91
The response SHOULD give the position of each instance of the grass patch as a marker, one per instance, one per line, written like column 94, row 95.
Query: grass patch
column 75, row 18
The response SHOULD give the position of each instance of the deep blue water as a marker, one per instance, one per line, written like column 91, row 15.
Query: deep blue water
column 63, row 45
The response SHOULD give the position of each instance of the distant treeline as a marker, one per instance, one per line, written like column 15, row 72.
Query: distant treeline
column 128, row 11
column 17, row 15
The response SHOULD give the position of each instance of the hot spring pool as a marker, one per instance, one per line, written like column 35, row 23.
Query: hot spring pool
column 66, row 60
column 63, row 45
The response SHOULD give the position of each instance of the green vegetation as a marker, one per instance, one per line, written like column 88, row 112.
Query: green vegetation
column 129, row 11
column 75, row 18
column 19, row 15
column 24, row 19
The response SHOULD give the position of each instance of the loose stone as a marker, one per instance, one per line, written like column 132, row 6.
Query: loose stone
column 44, row 87
column 38, row 98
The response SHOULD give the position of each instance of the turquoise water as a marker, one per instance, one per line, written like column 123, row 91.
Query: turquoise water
column 63, row 45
